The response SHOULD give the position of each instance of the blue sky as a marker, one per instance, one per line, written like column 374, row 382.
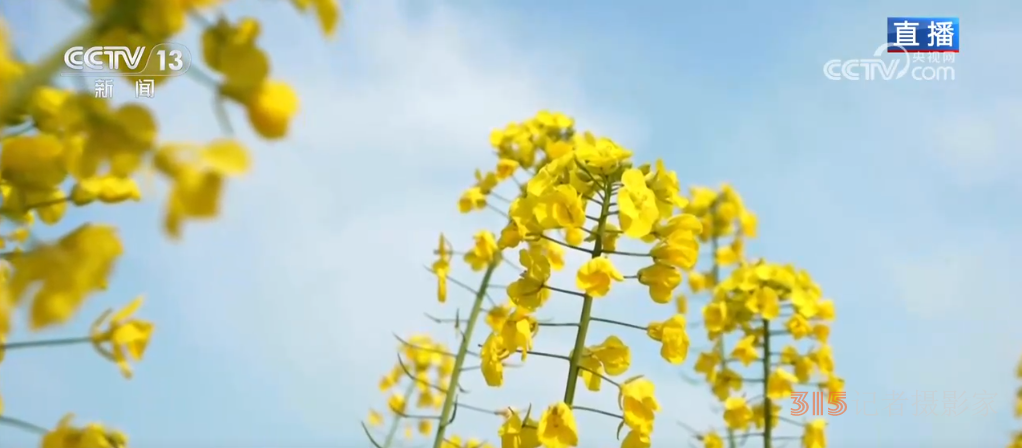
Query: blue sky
column 274, row 323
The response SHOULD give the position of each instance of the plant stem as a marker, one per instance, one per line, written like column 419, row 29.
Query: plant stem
column 396, row 423
column 21, row 424
column 587, row 305
column 768, row 412
column 44, row 343
column 714, row 279
column 459, row 360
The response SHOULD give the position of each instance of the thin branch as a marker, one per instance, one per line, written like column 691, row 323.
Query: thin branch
column 21, row 424
column 602, row 376
column 569, row 246
column 558, row 324
column 506, row 365
column 597, row 411
column 429, row 349
column 481, row 409
column 369, row 435
column 416, row 416
column 617, row 322
column 462, row 285
column 502, row 198
column 44, row 343
column 563, row 291
column 759, row 434
column 541, row 354
column 439, row 320
column 498, row 210
column 790, row 420
column 545, row 355
column 630, row 254
column 31, row 207
column 412, row 376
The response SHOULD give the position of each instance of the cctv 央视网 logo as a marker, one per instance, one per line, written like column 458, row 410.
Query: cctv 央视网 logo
column 868, row 69
column 102, row 59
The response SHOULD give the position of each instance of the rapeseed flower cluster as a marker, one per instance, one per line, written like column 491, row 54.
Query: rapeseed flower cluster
column 62, row 147
column 420, row 380
column 583, row 193
column 573, row 191
column 757, row 303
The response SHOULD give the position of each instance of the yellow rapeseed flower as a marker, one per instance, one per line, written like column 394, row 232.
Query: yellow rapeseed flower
column 271, row 108
column 715, row 316
column 707, row 364
column 557, row 427
column 483, row 252
column 673, row 337
column 780, row 385
column 737, row 414
column 798, row 326
column 91, row 435
column 639, row 404
column 596, row 276
column 425, row 427
column 661, row 279
column 441, row 267
column 66, row 272
column 472, row 199
column 514, row 434
column 712, row 440
column 562, row 208
column 746, row 351
column 396, row 403
column 590, row 370
column 636, row 439
column 328, row 13
column 613, row 354
column 125, row 338
column 375, row 418
column 493, row 355
column 518, row 331
column 814, row 435
column 637, row 205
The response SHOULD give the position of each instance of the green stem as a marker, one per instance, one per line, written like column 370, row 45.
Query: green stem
column 21, row 424
column 714, row 279
column 768, row 413
column 45, row 69
column 587, row 306
column 396, row 423
column 459, row 360
column 44, row 343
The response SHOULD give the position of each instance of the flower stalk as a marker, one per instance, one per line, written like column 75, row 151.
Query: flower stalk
column 721, row 350
column 451, row 397
column 396, row 423
column 45, row 343
column 587, row 304
column 21, row 424
column 768, row 412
